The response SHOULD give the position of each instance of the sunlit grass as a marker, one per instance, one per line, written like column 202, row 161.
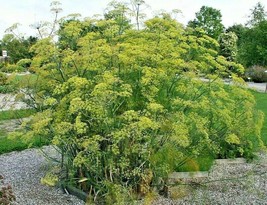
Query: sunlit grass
column 261, row 99
column 28, row 78
column 15, row 114
column 17, row 144
column 9, row 145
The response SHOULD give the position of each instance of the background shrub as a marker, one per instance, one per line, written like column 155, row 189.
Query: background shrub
column 3, row 78
column 5, row 86
column 2, row 64
column 13, row 68
column 257, row 74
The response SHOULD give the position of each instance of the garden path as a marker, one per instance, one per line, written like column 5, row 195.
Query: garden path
column 8, row 101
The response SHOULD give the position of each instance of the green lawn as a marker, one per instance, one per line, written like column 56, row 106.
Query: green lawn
column 261, row 99
column 9, row 145
column 30, row 78
column 15, row 114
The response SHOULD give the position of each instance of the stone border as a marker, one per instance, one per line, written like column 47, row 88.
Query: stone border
column 198, row 176
column 75, row 192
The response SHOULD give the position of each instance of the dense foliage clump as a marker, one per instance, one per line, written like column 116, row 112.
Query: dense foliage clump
column 127, row 107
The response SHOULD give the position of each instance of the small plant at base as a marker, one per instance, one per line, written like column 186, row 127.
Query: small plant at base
column 6, row 193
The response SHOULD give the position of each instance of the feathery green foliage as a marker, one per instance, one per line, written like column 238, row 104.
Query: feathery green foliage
column 126, row 108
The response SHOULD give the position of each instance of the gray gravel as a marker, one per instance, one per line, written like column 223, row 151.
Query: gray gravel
column 24, row 170
column 8, row 101
column 261, row 87
column 11, row 125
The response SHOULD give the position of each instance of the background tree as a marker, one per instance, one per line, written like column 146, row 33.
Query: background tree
column 209, row 19
column 239, row 31
column 253, row 46
column 251, row 51
column 258, row 14
column 17, row 48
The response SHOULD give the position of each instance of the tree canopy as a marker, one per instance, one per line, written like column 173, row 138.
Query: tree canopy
column 253, row 45
column 17, row 48
column 258, row 14
column 210, row 20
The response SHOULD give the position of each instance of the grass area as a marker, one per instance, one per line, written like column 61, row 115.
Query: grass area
column 2, row 133
column 261, row 99
column 15, row 114
column 14, row 81
column 9, row 145
column 22, row 78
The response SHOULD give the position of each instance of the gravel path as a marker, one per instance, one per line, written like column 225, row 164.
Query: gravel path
column 8, row 101
column 261, row 87
column 23, row 170
column 11, row 125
